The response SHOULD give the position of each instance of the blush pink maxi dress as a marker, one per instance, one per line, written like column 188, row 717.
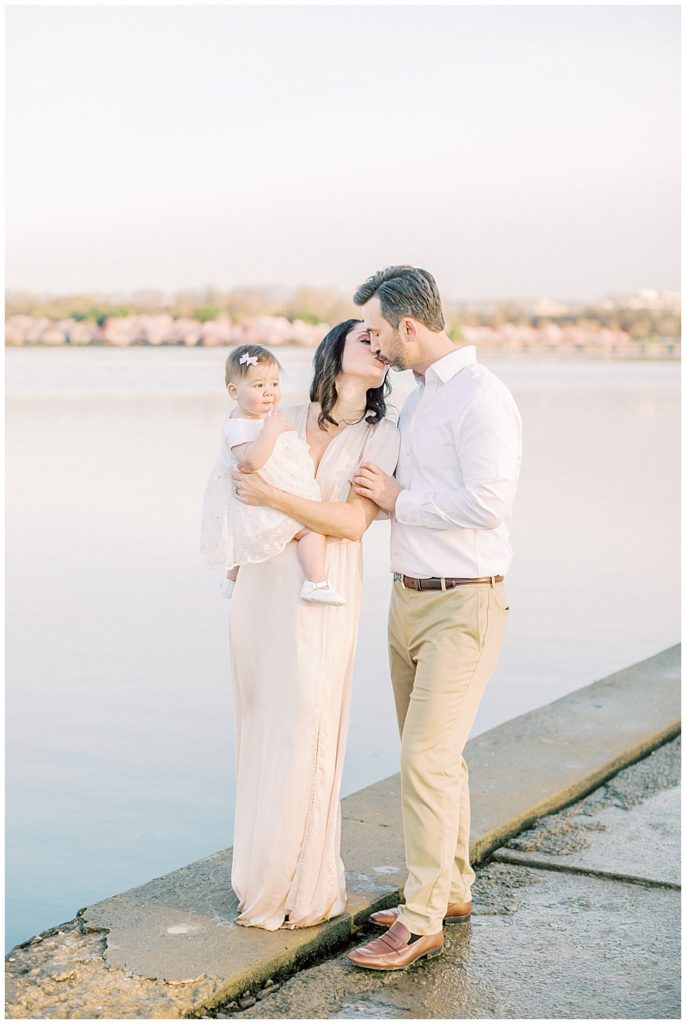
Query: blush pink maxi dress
column 292, row 667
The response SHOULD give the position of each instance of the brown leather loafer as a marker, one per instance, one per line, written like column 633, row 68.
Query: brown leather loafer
column 457, row 913
column 394, row 951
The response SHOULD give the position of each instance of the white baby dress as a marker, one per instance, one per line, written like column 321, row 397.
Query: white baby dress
column 233, row 533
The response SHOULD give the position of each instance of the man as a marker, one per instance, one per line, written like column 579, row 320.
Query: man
column 450, row 505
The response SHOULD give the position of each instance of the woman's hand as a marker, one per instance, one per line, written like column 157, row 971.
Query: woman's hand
column 251, row 488
column 371, row 482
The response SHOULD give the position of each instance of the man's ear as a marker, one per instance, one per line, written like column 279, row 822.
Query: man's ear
column 409, row 328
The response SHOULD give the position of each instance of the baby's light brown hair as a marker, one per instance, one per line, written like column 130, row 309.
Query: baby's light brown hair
column 235, row 370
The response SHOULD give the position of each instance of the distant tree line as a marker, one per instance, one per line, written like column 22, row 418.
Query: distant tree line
column 639, row 323
column 326, row 305
column 313, row 305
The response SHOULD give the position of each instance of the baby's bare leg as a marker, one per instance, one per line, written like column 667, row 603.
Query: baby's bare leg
column 312, row 554
column 312, row 557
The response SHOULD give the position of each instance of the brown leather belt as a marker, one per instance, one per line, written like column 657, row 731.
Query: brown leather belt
column 441, row 583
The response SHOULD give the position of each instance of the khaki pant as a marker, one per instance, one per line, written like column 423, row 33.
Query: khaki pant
column 443, row 648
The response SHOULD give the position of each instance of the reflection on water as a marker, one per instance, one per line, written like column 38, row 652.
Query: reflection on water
column 120, row 735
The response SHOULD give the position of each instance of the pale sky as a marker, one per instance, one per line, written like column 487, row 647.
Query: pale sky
column 513, row 151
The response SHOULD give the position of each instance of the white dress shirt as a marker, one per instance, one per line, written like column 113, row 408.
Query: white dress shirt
column 460, row 453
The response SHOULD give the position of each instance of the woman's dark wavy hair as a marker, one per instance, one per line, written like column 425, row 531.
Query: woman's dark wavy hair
column 328, row 361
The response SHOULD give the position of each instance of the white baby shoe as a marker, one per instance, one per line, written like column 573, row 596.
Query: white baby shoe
column 320, row 593
column 226, row 588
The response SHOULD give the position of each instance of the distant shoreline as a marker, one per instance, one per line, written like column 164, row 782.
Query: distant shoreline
column 631, row 332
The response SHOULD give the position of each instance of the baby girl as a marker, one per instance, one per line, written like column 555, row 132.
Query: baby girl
column 258, row 437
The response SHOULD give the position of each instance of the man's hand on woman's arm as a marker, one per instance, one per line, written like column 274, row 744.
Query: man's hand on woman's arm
column 371, row 482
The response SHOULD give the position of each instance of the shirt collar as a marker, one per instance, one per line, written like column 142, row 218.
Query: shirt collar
column 445, row 368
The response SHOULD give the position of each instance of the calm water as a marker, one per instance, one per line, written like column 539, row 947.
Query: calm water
column 120, row 733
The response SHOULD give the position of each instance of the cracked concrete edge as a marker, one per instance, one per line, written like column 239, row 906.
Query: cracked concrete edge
column 481, row 847
column 527, row 861
column 285, row 964
column 161, row 1000
column 330, row 940
column 190, row 998
column 277, row 967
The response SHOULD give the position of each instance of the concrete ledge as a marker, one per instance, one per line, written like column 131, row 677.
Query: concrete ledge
column 178, row 930
column 560, row 752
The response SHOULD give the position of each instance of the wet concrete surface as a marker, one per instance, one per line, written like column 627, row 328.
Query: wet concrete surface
column 541, row 943
column 641, row 845
column 548, row 945
column 628, row 828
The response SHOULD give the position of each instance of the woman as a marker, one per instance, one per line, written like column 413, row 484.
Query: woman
column 292, row 663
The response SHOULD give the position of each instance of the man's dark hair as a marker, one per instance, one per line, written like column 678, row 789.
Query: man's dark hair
column 404, row 291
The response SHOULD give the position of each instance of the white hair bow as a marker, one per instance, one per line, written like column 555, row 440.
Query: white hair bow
column 250, row 360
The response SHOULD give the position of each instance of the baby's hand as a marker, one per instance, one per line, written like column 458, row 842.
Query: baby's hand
column 277, row 423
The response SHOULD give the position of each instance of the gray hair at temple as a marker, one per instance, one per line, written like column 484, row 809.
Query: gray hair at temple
column 404, row 291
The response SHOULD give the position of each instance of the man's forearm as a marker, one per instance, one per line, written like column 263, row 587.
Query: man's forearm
column 481, row 507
